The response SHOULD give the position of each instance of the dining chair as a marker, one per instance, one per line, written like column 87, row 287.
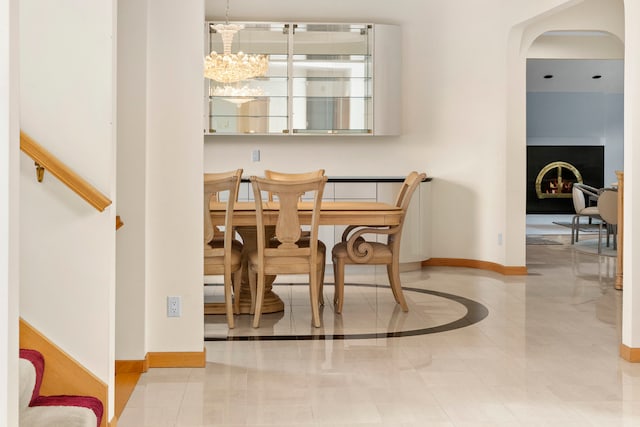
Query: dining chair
column 580, row 193
column 223, row 254
column 355, row 249
column 304, row 237
column 608, row 210
column 289, row 255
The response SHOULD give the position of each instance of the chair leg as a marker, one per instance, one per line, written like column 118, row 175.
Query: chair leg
column 228, row 303
column 252, row 289
column 600, row 238
column 393, row 271
column 393, row 289
column 321, row 284
column 313, row 297
column 237, row 282
column 258, row 300
column 338, row 275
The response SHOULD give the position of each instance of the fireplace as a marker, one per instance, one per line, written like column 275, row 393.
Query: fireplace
column 552, row 171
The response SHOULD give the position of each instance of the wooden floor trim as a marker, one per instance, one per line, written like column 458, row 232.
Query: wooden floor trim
column 132, row 366
column 472, row 263
column 630, row 354
column 125, row 383
column 180, row 359
column 127, row 375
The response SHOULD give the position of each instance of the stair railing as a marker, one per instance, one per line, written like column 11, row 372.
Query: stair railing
column 47, row 161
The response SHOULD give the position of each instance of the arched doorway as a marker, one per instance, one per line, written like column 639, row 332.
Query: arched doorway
column 574, row 116
column 579, row 18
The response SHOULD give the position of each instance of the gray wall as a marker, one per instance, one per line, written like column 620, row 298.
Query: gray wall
column 578, row 118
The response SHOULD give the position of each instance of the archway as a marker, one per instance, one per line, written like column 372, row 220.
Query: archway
column 574, row 114
column 573, row 17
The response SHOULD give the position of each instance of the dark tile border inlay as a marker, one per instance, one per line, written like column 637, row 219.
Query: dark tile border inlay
column 475, row 313
column 362, row 179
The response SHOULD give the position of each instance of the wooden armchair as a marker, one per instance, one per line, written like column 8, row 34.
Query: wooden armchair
column 222, row 254
column 355, row 249
column 288, row 255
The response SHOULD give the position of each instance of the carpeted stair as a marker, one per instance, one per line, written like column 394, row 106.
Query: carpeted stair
column 51, row 411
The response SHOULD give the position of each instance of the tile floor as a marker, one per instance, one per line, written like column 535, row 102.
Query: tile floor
column 545, row 354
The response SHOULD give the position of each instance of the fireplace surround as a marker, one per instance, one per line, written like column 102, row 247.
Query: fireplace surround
column 552, row 170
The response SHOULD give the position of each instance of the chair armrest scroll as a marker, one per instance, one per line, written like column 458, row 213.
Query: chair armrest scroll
column 359, row 249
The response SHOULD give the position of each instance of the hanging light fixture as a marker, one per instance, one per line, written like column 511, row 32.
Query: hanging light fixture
column 236, row 95
column 233, row 67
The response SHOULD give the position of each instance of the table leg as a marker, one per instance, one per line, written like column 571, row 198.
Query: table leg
column 272, row 302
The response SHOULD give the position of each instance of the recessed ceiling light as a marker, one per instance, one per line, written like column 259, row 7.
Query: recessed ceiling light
column 548, row 76
column 596, row 77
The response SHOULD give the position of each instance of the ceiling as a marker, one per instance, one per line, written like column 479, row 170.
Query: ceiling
column 575, row 75
column 571, row 61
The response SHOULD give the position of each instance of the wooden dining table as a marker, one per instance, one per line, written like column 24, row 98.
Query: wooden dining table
column 332, row 213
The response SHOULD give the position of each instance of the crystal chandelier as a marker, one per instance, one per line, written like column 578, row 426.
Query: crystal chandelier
column 233, row 67
column 236, row 95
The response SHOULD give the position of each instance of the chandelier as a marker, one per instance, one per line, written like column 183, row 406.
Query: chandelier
column 236, row 95
column 233, row 67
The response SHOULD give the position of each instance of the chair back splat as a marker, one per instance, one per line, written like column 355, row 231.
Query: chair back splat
column 291, row 176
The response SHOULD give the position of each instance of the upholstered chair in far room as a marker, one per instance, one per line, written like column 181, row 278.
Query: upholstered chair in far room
column 355, row 249
column 222, row 254
column 608, row 211
column 581, row 193
column 304, row 237
column 288, row 255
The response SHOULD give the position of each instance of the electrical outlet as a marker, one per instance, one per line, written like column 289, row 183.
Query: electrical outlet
column 255, row 155
column 499, row 239
column 174, row 307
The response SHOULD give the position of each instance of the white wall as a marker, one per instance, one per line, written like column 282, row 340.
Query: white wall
column 132, row 179
column 9, row 143
column 174, row 138
column 631, row 293
column 67, row 248
column 579, row 118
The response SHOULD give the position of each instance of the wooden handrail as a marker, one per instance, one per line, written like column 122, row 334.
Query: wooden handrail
column 75, row 182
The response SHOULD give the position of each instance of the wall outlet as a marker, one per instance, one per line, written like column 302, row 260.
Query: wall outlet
column 499, row 239
column 255, row 155
column 174, row 307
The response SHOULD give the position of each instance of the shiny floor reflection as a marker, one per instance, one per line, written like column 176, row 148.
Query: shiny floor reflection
column 546, row 355
column 372, row 313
